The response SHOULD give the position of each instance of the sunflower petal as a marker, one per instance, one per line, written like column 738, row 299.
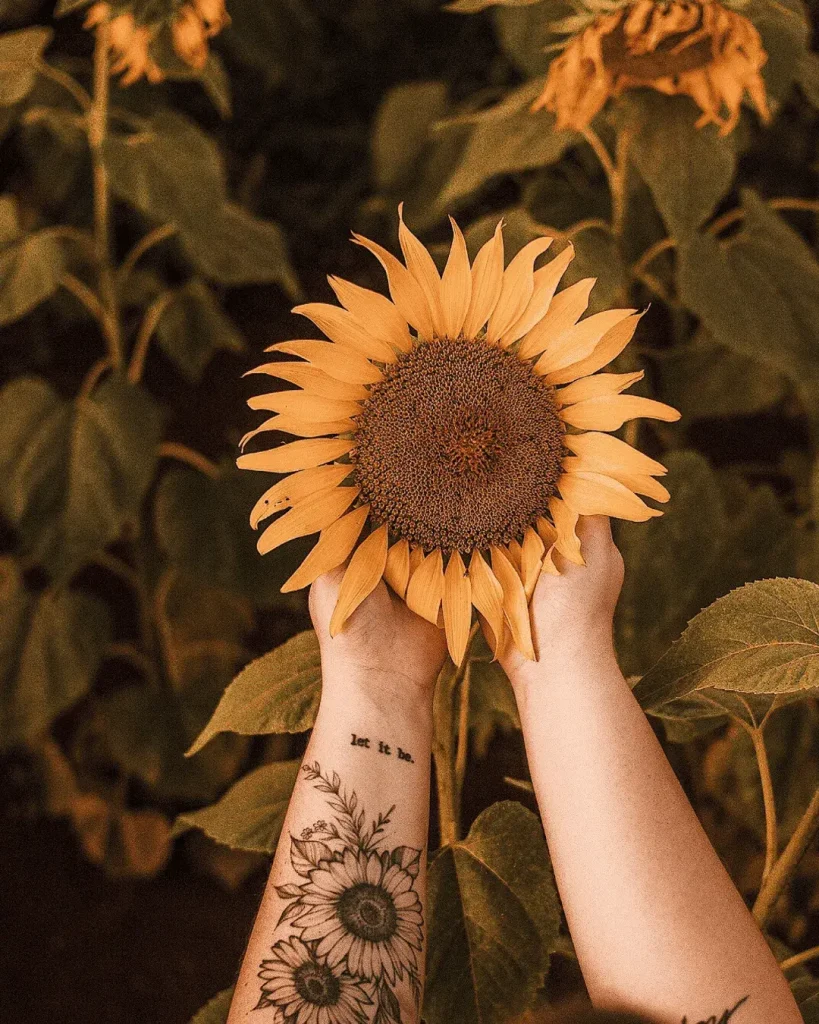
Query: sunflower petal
column 301, row 428
column 343, row 328
column 604, row 452
column 295, row 487
column 513, row 550
column 531, row 560
column 640, row 483
column 416, row 557
column 597, row 386
column 397, row 569
column 314, row 381
column 334, row 545
column 565, row 520
column 305, row 407
column 381, row 316
column 565, row 310
column 612, row 411
column 548, row 534
column 307, row 516
column 456, row 284
column 487, row 596
column 296, row 455
column 609, row 347
column 579, row 341
column 426, row 587
column 517, row 288
column 336, row 361
column 592, row 494
column 487, row 281
column 406, row 293
column 515, row 605
column 457, row 602
column 361, row 577
column 546, row 281
column 422, row 267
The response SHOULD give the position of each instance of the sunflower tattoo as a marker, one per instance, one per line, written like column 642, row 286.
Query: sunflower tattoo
column 357, row 920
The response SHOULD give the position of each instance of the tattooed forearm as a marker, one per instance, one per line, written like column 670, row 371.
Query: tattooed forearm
column 354, row 922
column 726, row 1016
column 382, row 748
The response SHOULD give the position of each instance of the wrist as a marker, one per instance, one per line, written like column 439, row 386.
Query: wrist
column 390, row 695
column 570, row 657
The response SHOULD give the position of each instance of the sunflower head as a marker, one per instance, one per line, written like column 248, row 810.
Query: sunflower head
column 451, row 436
column 697, row 48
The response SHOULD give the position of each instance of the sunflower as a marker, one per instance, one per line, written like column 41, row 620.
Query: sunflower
column 460, row 424
column 307, row 990
column 697, row 48
column 191, row 24
column 362, row 912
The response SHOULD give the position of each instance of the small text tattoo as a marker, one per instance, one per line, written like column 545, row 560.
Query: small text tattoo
column 383, row 748
column 352, row 926
column 724, row 1019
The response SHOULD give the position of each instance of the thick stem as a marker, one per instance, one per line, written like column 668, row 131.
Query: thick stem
column 442, row 753
column 618, row 184
column 462, row 749
column 758, row 740
column 800, row 958
column 97, row 128
column 785, row 866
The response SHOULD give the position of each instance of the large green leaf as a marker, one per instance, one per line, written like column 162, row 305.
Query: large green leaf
column 757, row 293
column 785, row 30
column 688, row 169
column 173, row 173
column 19, row 53
column 30, row 272
column 72, row 473
column 760, row 639
column 524, row 32
column 493, row 920
column 215, row 1011
column 250, row 815
column 401, row 130
column 194, row 327
column 51, row 646
column 503, row 139
column 278, row 692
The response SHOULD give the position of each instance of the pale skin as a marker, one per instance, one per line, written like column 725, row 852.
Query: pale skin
column 657, row 924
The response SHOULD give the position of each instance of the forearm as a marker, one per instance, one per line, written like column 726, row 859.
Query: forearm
column 349, row 875
column 656, row 921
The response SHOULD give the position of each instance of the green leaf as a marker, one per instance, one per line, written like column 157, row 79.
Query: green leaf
column 473, row 6
column 785, row 33
column 401, row 131
column 72, row 473
column 250, row 815
column 757, row 293
column 808, row 76
column 278, row 692
column 51, row 646
column 688, row 169
column 493, row 920
column 492, row 705
column 30, row 272
column 173, row 173
column 597, row 255
column 707, row 380
column 19, row 53
column 9, row 226
column 525, row 30
column 194, row 327
column 216, row 1011
column 68, row 6
column 760, row 639
column 505, row 139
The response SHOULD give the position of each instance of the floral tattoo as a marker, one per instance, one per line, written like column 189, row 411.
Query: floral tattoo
column 356, row 920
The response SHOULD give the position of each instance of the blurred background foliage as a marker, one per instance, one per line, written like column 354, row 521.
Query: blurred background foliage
column 153, row 238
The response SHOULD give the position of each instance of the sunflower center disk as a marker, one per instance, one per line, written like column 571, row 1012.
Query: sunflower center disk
column 317, row 984
column 368, row 912
column 459, row 446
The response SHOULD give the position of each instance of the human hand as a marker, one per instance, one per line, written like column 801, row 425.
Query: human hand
column 572, row 613
column 384, row 646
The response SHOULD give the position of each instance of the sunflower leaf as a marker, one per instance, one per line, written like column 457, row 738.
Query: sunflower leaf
column 250, row 815
column 72, row 473
column 307, row 854
column 216, row 1010
column 493, row 920
column 19, row 52
column 278, row 692
column 30, row 271
column 194, row 327
column 51, row 646
column 762, row 639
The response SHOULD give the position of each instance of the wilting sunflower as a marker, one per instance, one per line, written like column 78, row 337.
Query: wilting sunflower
column 132, row 34
column 458, row 429
column 307, row 990
column 697, row 48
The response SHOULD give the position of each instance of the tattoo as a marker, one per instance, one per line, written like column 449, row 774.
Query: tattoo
column 355, row 922
column 726, row 1016
column 383, row 748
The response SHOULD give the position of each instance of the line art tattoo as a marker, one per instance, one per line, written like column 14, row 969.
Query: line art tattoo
column 726, row 1016
column 355, row 921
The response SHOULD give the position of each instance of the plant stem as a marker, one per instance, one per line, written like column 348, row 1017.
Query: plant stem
column 97, row 127
column 146, row 329
column 92, row 378
column 145, row 243
column 783, row 869
column 181, row 452
column 799, row 958
column 86, row 296
column 758, row 740
column 462, row 749
column 65, row 81
column 442, row 753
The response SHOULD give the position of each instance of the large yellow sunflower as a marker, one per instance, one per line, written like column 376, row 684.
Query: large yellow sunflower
column 696, row 48
column 452, row 437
